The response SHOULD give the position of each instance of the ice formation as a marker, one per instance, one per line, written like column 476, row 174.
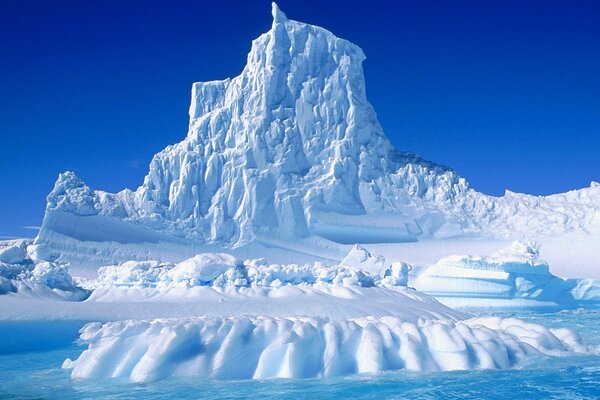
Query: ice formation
column 19, row 274
column 229, row 319
column 221, row 270
column 264, row 347
column 290, row 149
column 359, row 257
column 512, row 277
column 289, row 155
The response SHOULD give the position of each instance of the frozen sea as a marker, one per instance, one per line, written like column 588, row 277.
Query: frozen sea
column 27, row 374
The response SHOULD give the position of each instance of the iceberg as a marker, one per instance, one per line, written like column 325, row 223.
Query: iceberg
column 264, row 347
column 214, row 316
column 290, row 154
column 511, row 277
column 287, row 161
column 262, row 321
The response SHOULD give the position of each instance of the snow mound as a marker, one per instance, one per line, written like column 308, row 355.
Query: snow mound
column 359, row 257
column 263, row 348
column 290, row 149
column 514, row 276
column 223, row 270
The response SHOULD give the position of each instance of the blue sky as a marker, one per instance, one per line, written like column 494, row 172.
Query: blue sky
column 505, row 92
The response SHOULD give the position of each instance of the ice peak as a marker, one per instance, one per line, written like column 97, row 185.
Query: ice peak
column 278, row 15
column 70, row 193
column 68, row 180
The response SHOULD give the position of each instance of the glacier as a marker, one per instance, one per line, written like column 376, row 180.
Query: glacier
column 291, row 149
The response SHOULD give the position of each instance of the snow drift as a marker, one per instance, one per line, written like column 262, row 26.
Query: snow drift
column 290, row 149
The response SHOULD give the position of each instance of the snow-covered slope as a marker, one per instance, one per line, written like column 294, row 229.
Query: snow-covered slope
column 290, row 149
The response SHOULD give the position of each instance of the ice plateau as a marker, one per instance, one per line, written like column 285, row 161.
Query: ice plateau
column 290, row 149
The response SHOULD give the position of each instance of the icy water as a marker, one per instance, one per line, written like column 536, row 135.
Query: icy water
column 37, row 374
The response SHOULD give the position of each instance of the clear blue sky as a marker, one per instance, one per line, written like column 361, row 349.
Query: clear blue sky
column 505, row 92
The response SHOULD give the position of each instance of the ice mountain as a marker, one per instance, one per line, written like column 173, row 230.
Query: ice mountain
column 292, row 149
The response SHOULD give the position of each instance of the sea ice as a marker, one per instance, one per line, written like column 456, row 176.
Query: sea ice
column 220, row 270
column 512, row 277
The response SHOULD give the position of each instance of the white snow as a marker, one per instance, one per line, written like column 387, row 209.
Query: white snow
column 359, row 257
column 220, row 270
column 14, row 251
column 282, row 321
column 203, row 269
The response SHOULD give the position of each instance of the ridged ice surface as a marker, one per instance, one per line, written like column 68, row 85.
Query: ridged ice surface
column 262, row 347
column 291, row 148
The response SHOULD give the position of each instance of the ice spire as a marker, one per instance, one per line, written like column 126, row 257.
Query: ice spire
column 278, row 15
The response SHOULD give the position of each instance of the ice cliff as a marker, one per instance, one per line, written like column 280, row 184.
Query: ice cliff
column 290, row 148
